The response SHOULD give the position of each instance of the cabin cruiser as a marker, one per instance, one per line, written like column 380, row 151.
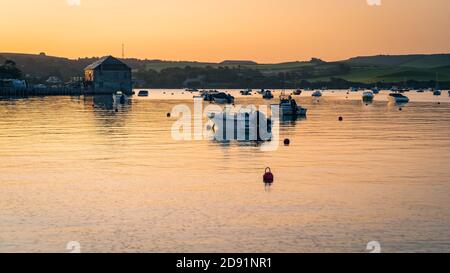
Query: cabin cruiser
column 289, row 107
column 267, row 95
column 297, row 92
column 208, row 95
column 317, row 94
column 245, row 122
column 119, row 97
column 219, row 97
column 247, row 92
column 143, row 93
column 368, row 96
column 398, row 98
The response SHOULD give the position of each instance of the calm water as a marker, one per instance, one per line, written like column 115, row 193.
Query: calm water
column 117, row 182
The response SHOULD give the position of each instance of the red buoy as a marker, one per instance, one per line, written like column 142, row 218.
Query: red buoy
column 268, row 176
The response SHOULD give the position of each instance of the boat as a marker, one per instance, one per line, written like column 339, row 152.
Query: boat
column 317, row 94
column 208, row 95
column 143, row 93
column 267, row 95
column 449, row 93
column 245, row 122
column 192, row 90
column 400, row 89
column 375, row 90
column 222, row 98
column 420, row 91
column 119, row 97
column 289, row 107
column 354, row 89
column 437, row 92
column 368, row 96
column 297, row 92
column 398, row 98
column 246, row 92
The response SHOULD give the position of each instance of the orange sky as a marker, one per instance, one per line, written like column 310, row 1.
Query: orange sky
column 215, row 30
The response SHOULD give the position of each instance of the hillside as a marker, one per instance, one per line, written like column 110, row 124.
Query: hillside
column 416, row 61
column 240, row 74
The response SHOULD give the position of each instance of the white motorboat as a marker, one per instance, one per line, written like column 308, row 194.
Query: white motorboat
column 368, row 96
column 317, row 94
column 289, row 107
column 120, row 98
column 244, row 122
column 398, row 98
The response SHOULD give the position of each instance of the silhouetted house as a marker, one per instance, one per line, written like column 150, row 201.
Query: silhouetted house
column 107, row 76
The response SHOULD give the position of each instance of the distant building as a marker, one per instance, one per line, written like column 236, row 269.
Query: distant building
column 108, row 75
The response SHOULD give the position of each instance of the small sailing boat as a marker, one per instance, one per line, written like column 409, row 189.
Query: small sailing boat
column 437, row 91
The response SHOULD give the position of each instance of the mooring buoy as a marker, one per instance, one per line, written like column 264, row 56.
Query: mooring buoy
column 168, row 115
column 341, row 118
column 287, row 142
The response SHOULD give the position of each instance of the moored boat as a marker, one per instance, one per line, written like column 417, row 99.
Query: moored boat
column 368, row 96
column 267, row 95
column 119, row 97
column 143, row 93
column 244, row 125
column 398, row 98
column 192, row 90
column 246, row 92
column 297, row 92
column 317, row 94
column 222, row 98
column 289, row 107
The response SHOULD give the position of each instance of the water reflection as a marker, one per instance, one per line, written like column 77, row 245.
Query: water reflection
column 75, row 168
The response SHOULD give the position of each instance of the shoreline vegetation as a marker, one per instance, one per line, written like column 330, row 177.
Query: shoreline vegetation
column 383, row 71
